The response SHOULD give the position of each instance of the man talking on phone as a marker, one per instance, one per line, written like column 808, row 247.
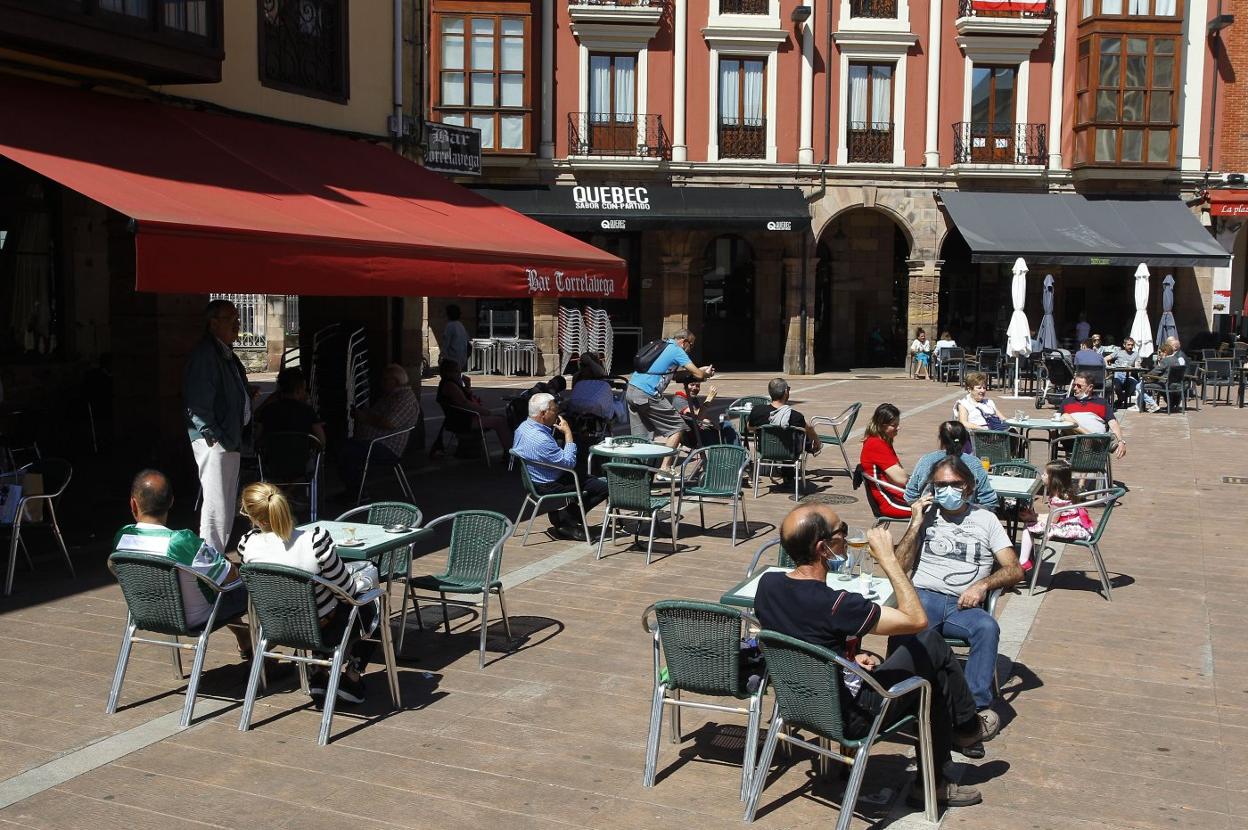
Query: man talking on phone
column 534, row 440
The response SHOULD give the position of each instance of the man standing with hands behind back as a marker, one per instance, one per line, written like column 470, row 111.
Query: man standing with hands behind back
column 218, row 406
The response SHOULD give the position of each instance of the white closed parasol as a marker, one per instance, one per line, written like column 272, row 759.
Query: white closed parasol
column 1018, row 335
column 1141, row 331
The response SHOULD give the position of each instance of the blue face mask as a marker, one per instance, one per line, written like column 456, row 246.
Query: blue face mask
column 950, row 498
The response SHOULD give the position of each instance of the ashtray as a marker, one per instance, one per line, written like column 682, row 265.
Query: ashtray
column 397, row 529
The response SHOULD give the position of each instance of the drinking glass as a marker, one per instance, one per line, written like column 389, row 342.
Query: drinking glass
column 350, row 531
column 856, row 551
column 987, row 462
column 1020, row 415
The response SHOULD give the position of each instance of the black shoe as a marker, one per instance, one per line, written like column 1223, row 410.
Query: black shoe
column 351, row 691
column 317, row 683
column 975, row 751
column 573, row 533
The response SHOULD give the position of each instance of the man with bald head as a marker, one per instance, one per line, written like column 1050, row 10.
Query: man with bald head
column 151, row 497
column 802, row 605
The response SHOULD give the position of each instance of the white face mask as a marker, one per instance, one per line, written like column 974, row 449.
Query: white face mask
column 950, row 498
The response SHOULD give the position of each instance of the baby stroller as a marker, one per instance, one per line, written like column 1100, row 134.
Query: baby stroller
column 1056, row 375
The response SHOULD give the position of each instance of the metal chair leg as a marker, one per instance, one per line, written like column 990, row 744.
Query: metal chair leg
column 502, row 607
column 56, row 530
column 652, row 739
column 175, row 654
column 123, row 660
column 15, row 533
column 192, row 684
column 602, row 537
column 253, row 680
column 650, row 539
column 331, row 688
column 764, row 764
column 446, row 615
column 673, row 704
column 485, row 625
column 751, row 745
column 387, row 651
column 1100, row 566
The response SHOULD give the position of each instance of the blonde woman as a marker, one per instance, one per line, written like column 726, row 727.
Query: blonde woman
column 274, row 540
column 976, row 410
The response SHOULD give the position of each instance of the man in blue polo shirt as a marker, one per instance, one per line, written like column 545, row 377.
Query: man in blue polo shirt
column 645, row 391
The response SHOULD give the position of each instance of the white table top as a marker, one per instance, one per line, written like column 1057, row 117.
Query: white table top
column 633, row 451
column 1014, row 486
column 880, row 585
column 1038, row 423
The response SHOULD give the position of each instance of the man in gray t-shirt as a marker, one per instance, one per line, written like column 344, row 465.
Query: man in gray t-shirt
column 950, row 546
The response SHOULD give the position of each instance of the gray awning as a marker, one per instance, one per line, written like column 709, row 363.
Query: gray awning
column 1069, row 229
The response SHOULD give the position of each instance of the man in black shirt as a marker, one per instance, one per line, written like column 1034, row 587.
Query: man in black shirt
column 288, row 410
column 800, row 604
column 779, row 413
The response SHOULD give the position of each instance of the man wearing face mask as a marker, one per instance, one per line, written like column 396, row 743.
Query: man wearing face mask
column 950, row 548
column 1092, row 414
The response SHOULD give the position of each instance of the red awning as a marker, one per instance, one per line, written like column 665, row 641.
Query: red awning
column 228, row 204
column 1228, row 202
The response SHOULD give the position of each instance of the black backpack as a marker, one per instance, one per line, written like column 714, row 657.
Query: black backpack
column 647, row 355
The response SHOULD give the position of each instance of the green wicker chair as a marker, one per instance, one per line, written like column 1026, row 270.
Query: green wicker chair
column 1106, row 498
column 995, row 445
column 1009, row 509
column 153, row 595
column 473, row 564
column 722, row 468
column 835, row 431
column 806, row 680
column 697, row 649
column 743, row 406
column 630, row 496
column 284, row 601
column 393, row 565
column 783, row 447
column 1089, row 456
column 535, row 499
column 783, row 560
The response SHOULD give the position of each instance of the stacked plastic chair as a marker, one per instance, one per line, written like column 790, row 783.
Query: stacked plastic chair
column 571, row 336
column 358, row 391
column 599, row 336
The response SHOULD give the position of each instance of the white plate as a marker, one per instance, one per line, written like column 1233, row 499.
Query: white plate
column 356, row 543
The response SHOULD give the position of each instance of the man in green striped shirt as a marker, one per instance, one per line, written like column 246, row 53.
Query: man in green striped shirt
column 151, row 497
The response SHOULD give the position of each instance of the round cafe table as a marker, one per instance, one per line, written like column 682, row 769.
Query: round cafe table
column 643, row 453
column 1049, row 428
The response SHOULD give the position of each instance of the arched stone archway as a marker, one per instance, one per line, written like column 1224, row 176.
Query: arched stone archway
column 862, row 290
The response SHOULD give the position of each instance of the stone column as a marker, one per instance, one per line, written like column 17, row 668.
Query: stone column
column 546, row 333
column 923, row 301
column 793, row 315
column 769, row 318
column 275, row 329
column 675, row 293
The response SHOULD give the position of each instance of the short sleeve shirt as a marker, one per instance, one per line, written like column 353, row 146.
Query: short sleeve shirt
column 655, row 381
column 1092, row 413
column 185, row 548
column 761, row 414
column 958, row 551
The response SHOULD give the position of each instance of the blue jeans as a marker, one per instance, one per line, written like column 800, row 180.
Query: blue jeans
column 974, row 625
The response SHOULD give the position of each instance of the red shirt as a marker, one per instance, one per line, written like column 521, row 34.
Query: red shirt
column 877, row 456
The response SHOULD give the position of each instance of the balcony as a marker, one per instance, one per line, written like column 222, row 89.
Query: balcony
column 876, row 9
column 997, row 146
column 869, row 143
column 1004, row 17
column 743, row 139
column 597, row 134
column 160, row 42
column 745, row 6
column 618, row 11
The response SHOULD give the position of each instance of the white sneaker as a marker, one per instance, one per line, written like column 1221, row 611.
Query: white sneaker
column 1133, row 408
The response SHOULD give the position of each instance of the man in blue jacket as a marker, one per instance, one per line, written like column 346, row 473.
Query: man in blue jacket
column 218, row 406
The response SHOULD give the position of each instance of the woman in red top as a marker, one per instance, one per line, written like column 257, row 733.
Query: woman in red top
column 879, row 460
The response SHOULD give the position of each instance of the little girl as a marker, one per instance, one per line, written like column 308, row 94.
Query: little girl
column 1068, row 522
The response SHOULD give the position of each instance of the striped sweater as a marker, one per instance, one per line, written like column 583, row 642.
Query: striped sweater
column 311, row 551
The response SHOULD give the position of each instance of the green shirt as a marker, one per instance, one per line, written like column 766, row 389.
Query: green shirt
column 185, row 548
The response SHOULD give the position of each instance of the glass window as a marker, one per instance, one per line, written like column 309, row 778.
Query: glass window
column 1134, row 85
column 304, row 48
column 1159, row 146
column 1132, row 145
column 482, row 62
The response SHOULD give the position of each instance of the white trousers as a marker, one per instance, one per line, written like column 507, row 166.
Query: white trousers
column 218, row 480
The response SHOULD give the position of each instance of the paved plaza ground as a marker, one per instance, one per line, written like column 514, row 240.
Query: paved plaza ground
column 1124, row 714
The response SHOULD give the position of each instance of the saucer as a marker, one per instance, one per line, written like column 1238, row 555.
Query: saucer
column 354, row 543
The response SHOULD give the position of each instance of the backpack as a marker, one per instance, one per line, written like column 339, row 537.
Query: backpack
column 647, row 355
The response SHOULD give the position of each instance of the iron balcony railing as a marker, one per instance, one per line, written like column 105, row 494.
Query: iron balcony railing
column 626, row 4
column 870, row 143
column 980, row 143
column 873, row 8
column 744, row 6
column 601, row 134
column 1038, row 9
column 744, row 138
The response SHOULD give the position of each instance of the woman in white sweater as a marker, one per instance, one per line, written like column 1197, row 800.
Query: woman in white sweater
column 274, row 540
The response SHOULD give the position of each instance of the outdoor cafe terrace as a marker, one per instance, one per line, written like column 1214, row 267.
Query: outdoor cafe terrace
column 1124, row 714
